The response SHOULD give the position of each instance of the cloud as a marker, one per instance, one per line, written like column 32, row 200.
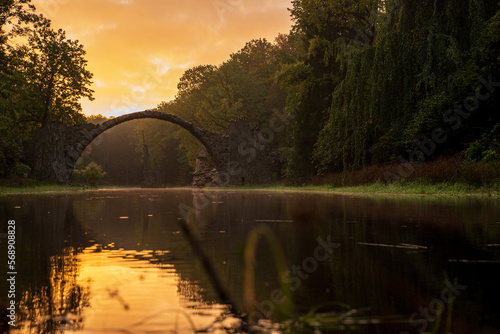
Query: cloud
column 150, row 43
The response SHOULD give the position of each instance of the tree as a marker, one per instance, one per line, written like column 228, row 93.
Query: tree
column 397, row 90
column 16, row 13
column 16, row 18
column 213, row 96
column 259, row 57
column 193, row 78
column 93, row 173
column 312, row 72
column 167, row 159
column 55, row 77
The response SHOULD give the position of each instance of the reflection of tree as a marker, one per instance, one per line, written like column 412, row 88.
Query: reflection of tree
column 58, row 305
column 389, row 280
column 48, row 240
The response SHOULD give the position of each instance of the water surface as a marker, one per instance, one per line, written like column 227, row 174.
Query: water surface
column 120, row 261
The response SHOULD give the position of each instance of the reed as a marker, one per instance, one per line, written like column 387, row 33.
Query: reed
column 249, row 272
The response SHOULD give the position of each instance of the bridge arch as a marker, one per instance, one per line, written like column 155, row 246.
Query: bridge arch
column 213, row 142
column 54, row 150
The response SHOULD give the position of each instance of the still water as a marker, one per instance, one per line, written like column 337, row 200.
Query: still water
column 173, row 261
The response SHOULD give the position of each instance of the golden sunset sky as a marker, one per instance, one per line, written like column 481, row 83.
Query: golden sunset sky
column 138, row 49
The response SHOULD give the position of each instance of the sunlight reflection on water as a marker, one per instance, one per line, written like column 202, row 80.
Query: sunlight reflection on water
column 87, row 269
column 128, row 294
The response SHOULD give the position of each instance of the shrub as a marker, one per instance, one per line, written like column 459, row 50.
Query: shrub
column 487, row 148
column 10, row 155
column 93, row 173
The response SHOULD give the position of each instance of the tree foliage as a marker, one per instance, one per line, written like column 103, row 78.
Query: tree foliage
column 396, row 90
column 43, row 74
column 314, row 73
column 93, row 173
column 10, row 157
column 44, row 77
column 363, row 81
column 55, row 77
column 212, row 96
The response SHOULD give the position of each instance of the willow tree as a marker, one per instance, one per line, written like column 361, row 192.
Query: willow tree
column 313, row 75
column 395, row 91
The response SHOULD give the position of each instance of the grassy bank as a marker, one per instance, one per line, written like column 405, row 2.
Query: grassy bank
column 21, row 186
column 417, row 188
column 39, row 189
column 445, row 176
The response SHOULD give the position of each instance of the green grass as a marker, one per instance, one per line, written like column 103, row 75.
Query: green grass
column 417, row 188
column 410, row 188
column 38, row 189
column 28, row 187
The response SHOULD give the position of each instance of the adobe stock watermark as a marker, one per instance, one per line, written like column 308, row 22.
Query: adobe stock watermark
column 248, row 147
column 294, row 277
column 224, row 6
column 454, row 117
column 424, row 316
column 10, row 316
column 50, row 8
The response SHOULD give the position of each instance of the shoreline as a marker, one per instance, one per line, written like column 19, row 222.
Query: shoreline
column 412, row 189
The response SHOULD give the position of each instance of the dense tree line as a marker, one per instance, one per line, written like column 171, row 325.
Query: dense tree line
column 43, row 75
column 420, row 73
column 363, row 82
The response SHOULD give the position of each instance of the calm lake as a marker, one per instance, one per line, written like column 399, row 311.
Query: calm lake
column 135, row 261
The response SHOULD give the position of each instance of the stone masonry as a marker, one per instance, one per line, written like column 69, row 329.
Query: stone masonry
column 240, row 157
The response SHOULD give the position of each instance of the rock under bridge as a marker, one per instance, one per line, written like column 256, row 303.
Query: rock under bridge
column 55, row 148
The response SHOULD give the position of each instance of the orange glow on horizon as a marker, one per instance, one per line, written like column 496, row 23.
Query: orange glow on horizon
column 138, row 50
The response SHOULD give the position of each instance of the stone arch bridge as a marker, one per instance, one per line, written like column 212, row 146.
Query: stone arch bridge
column 54, row 150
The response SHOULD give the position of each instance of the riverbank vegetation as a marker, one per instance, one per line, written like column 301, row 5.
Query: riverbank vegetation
column 370, row 91
column 43, row 76
column 9, row 188
column 381, row 189
column 410, row 188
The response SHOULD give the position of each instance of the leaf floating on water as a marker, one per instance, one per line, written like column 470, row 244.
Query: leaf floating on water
column 472, row 261
column 412, row 246
column 405, row 246
column 274, row 221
